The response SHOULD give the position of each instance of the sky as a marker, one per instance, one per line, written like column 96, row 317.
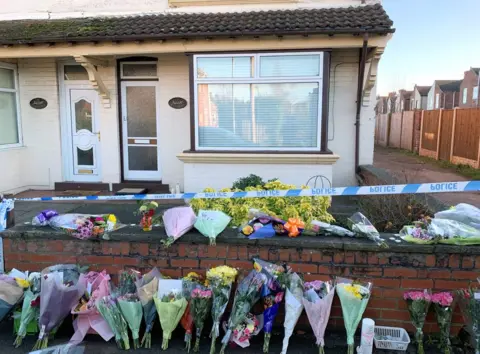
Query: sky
column 434, row 40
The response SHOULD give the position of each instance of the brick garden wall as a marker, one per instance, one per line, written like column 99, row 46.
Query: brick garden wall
column 392, row 271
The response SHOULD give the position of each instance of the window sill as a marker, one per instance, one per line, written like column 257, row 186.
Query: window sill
column 12, row 147
column 256, row 158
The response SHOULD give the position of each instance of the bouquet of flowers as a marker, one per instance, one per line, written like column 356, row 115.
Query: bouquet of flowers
column 293, row 306
column 220, row 280
column 81, row 226
column 328, row 229
column 443, row 306
column 189, row 283
column 127, row 282
column 170, row 308
column 147, row 211
column 263, row 226
column 30, row 307
column 200, row 306
column 249, row 327
column 88, row 318
column 147, row 286
column 10, row 293
column 469, row 302
column 178, row 221
column 418, row 303
column 110, row 311
column 61, row 288
column 131, row 309
column 272, row 294
column 211, row 223
column 247, row 294
column 363, row 227
column 318, row 298
column 354, row 298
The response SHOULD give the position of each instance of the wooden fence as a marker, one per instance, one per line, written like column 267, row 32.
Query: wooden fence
column 445, row 134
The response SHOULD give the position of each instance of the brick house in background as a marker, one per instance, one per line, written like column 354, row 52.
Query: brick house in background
column 382, row 105
column 404, row 99
column 444, row 94
column 469, row 88
column 419, row 97
column 391, row 102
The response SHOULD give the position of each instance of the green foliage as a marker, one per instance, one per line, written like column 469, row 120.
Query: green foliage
column 305, row 208
column 249, row 181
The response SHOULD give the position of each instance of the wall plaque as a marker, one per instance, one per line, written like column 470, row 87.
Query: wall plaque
column 177, row 103
column 38, row 103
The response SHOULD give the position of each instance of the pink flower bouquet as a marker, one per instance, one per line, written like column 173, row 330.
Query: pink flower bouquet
column 418, row 303
column 443, row 306
column 89, row 319
column 318, row 299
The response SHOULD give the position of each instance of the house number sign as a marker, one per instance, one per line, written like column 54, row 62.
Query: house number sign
column 38, row 103
column 177, row 103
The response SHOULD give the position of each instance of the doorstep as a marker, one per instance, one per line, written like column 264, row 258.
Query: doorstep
column 81, row 186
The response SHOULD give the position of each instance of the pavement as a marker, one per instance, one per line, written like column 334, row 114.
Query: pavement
column 410, row 169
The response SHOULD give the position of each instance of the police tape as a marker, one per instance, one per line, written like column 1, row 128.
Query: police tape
column 444, row 187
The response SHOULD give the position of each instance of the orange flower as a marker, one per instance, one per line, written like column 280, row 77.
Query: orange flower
column 293, row 225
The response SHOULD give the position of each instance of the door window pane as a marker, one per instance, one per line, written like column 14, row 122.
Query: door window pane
column 85, row 157
column 75, row 72
column 142, row 158
column 141, row 111
column 290, row 65
column 283, row 115
column 8, row 118
column 83, row 115
column 139, row 70
column 7, row 78
column 224, row 67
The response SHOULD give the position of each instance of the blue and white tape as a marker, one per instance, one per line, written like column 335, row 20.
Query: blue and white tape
column 444, row 187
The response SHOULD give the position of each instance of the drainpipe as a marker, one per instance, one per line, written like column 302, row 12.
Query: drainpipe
column 361, row 77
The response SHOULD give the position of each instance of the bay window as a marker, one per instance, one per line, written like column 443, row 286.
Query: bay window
column 258, row 102
column 9, row 117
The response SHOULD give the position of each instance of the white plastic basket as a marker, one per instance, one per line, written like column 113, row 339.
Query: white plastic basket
column 398, row 338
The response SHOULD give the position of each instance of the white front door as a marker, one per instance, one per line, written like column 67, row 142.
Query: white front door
column 140, row 130
column 82, row 109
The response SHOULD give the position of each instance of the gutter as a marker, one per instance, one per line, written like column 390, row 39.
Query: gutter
column 361, row 77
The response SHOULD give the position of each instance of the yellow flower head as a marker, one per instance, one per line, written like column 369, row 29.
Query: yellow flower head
column 354, row 290
column 23, row 283
column 226, row 274
column 192, row 276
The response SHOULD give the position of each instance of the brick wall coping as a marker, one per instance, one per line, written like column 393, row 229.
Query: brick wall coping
column 230, row 236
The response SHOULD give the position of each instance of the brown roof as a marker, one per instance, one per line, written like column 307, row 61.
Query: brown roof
column 423, row 90
column 449, row 85
column 350, row 20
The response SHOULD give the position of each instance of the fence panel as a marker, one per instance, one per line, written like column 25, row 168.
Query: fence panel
column 429, row 136
column 466, row 137
column 383, row 129
column 417, row 126
column 395, row 130
column 446, row 131
column 406, row 141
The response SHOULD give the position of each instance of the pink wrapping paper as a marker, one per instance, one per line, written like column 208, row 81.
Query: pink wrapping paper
column 318, row 314
column 90, row 321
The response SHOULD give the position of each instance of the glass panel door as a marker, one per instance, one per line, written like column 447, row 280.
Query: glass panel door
column 140, row 131
column 85, row 134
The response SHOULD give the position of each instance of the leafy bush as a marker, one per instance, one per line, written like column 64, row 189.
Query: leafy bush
column 305, row 208
column 249, row 181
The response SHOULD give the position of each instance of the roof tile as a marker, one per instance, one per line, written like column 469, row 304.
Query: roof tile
column 351, row 20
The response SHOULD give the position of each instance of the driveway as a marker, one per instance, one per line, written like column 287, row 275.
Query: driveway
column 410, row 169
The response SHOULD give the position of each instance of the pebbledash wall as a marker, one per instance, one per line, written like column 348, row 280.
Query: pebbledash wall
column 38, row 164
column 392, row 271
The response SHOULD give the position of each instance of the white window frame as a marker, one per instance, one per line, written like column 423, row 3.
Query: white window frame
column 256, row 79
column 17, row 101
column 475, row 93
column 138, row 63
column 465, row 95
column 437, row 101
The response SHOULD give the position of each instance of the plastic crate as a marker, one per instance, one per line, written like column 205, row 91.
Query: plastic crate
column 398, row 338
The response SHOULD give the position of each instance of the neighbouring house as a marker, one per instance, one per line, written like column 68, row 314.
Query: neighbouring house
column 197, row 93
column 403, row 101
column 469, row 88
column 420, row 97
column 444, row 94
column 392, row 102
column 382, row 105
